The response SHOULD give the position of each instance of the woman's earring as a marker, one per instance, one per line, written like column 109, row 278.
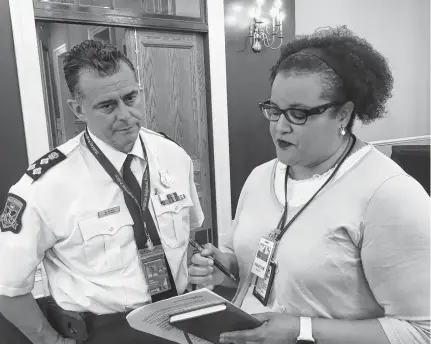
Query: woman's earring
column 343, row 130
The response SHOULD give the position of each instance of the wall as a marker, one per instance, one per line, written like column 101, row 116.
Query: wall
column 400, row 30
column 247, row 84
column 13, row 153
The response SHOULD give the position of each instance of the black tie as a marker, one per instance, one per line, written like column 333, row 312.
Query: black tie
column 138, row 227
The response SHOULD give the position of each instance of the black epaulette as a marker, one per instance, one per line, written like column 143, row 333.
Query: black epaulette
column 166, row 136
column 40, row 166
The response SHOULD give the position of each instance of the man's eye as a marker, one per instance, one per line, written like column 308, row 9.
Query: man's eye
column 130, row 99
column 106, row 106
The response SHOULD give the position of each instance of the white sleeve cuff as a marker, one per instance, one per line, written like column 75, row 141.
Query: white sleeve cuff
column 11, row 292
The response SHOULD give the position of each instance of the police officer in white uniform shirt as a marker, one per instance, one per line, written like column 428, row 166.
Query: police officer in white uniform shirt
column 103, row 211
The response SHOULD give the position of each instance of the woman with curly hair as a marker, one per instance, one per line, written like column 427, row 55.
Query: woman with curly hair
column 330, row 239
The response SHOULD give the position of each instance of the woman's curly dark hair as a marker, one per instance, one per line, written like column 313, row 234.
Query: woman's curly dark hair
column 367, row 80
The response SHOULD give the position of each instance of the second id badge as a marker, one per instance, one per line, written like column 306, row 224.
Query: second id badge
column 264, row 253
column 154, row 266
column 263, row 286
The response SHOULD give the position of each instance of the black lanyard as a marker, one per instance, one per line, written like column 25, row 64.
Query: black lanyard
column 118, row 179
column 282, row 226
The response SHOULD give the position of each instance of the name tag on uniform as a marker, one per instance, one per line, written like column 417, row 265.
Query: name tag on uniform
column 265, row 251
column 108, row 212
column 154, row 265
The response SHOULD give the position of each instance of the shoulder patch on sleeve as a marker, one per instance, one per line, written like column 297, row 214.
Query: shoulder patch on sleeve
column 11, row 218
column 39, row 167
column 166, row 136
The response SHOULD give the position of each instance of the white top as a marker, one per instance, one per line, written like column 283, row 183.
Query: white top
column 300, row 191
column 360, row 250
column 91, row 262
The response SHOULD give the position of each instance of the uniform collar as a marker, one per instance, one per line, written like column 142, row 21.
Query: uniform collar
column 116, row 157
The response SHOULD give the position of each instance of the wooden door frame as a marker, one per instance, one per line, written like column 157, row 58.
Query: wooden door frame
column 33, row 106
column 57, row 52
column 49, row 96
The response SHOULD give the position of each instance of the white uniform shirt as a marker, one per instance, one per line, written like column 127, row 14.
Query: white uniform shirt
column 91, row 261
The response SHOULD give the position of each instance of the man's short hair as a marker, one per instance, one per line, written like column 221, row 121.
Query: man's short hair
column 100, row 56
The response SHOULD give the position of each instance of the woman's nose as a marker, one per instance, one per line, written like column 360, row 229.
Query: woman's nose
column 283, row 125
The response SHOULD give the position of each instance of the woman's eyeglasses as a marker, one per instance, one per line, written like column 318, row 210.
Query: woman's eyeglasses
column 295, row 116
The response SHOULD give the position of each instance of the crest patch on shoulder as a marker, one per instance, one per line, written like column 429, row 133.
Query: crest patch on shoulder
column 11, row 218
column 39, row 167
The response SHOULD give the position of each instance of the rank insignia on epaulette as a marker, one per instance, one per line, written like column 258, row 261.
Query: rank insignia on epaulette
column 39, row 167
column 11, row 218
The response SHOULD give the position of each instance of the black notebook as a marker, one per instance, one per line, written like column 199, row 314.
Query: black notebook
column 211, row 321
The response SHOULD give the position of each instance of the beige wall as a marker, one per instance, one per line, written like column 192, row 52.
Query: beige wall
column 400, row 30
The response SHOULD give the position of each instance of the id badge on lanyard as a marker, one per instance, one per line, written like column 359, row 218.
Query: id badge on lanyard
column 265, row 268
column 153, row 264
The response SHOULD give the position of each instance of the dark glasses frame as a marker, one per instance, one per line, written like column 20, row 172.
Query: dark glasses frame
column 317, row 110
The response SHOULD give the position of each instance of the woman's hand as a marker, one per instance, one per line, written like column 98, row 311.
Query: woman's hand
column 202, row 271
column 277, row 329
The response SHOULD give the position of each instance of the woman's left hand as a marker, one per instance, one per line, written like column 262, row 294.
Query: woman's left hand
column 277, row 328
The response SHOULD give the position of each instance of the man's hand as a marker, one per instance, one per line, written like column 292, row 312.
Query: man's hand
column 276, row 329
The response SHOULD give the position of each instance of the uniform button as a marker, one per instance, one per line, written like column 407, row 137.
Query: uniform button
column 111, row 229
column 176, row 207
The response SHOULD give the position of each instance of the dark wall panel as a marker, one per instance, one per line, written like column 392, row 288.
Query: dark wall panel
column 247, row 84
column 13, row 152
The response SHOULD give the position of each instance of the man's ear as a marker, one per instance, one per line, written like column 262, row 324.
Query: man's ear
column 77, row 109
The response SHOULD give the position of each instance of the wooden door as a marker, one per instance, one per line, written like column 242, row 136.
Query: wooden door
column 172, row 77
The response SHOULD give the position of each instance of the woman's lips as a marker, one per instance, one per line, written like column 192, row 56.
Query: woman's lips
column 283, row 144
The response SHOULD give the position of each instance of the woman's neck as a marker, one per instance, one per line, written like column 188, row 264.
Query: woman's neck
column 305, row 172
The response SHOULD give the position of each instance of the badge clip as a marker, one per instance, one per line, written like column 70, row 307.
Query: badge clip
column 166, row 179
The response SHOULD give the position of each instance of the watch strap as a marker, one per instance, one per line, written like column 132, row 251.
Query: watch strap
column 305, row 330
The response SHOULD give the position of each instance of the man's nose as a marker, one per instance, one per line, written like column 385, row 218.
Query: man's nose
column 123, row 111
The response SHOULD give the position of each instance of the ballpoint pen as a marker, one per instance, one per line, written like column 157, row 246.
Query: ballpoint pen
column 217, row 263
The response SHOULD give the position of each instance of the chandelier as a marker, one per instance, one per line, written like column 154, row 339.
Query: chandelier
column 261, row 32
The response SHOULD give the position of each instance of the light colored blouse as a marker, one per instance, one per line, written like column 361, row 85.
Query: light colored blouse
column 360, row 250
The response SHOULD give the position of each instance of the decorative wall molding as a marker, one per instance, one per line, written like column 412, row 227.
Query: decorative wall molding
column 402, row 140
column 218, row 85
column 29, row 78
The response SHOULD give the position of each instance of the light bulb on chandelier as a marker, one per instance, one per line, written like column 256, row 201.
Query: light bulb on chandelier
column 259, row 33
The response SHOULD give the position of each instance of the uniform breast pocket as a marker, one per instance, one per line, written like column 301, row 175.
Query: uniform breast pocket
column 173, row 220
column 103, row 239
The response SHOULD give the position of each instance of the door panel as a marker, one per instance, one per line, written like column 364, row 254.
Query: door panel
column 172, row 77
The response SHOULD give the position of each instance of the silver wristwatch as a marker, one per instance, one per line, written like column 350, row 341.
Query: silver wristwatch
column 305, row 331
